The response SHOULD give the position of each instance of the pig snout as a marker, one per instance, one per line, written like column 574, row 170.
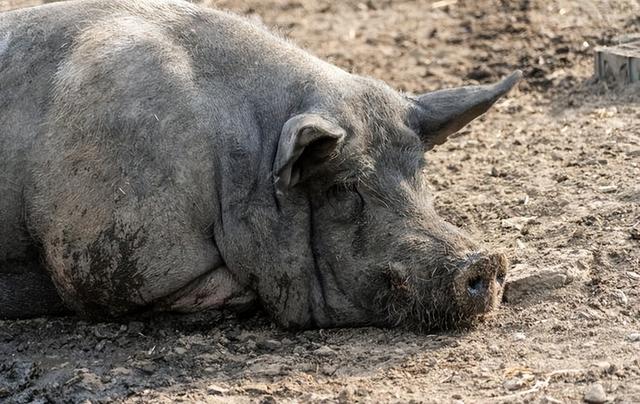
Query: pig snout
column 479, row 282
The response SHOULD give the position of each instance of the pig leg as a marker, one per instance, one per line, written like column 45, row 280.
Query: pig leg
column 215, row 289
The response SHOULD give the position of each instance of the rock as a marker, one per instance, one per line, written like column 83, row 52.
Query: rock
column 518, row 222
column 216, row 390
column 135, row 327
column 299, row 350
column 519, row 336
column 513, row 384
column 324, row 351
column 145, row 366
column 256, row 388
column 526, row 282
column 270, row 344
column 120, row 371
column 634, row 337
column 345, row 396
column 595, row 394
column 608, row 189
column 621, row 297
column 272, row 369
column 180, row 350
column 633, row 275
column 100, row 345
column 603, row 365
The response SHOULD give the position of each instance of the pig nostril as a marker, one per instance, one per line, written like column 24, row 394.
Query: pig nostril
column 476, row 286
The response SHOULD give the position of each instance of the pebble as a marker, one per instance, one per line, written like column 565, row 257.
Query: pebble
column 518, row 222
column 270, row 344
column 634, row 337
column 145, row 366
column 513, row 384
column 256, row 388
column 135, row 327
column 595, row 394
column 603, row 365
column 519, row 336
column 345, row 396
column 633, row 275
column 268, row 400
column 608, row 189
column 180, row 350
column 214, row 389
column 621, row 297
column 324, row 351
column 100, row 345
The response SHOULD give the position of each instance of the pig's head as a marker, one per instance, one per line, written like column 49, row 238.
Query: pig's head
column 382, row 254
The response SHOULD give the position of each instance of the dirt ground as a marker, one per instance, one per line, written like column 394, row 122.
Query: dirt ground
column 551, row 176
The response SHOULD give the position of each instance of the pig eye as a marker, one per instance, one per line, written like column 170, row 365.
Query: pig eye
column 346, row 193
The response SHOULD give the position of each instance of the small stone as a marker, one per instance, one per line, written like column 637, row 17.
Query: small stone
column 329, row 370
column 550, row 400
column 608, row 189
column 272, row 370
column 494, row 349
column 603, row 365
column 270, row 344
column 299, row 350
column 100, row 345
column 634, row 337
column 120, row 371
column 251, row 345
column 180, row 350
column 633, row 275
column 216, row 390
column 519, row 336
column 513, row 384
column 518, row 222
column 345, row 397
column 324, row 351
column 256, row 388
column 595, row 394
column 268, row 400
column 145, row 366
column 621, row 297
column 135, row 327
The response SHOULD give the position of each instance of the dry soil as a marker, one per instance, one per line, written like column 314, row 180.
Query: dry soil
column 551, row 176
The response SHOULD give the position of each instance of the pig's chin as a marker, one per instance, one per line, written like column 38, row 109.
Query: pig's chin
column 406, row 309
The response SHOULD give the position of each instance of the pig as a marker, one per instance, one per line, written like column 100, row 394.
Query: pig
column 160, row 156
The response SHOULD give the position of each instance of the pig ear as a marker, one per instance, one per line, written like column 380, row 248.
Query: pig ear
column 306, row 141
column 437, row 115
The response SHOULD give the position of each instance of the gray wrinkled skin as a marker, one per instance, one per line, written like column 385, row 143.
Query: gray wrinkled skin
column 159, row 156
